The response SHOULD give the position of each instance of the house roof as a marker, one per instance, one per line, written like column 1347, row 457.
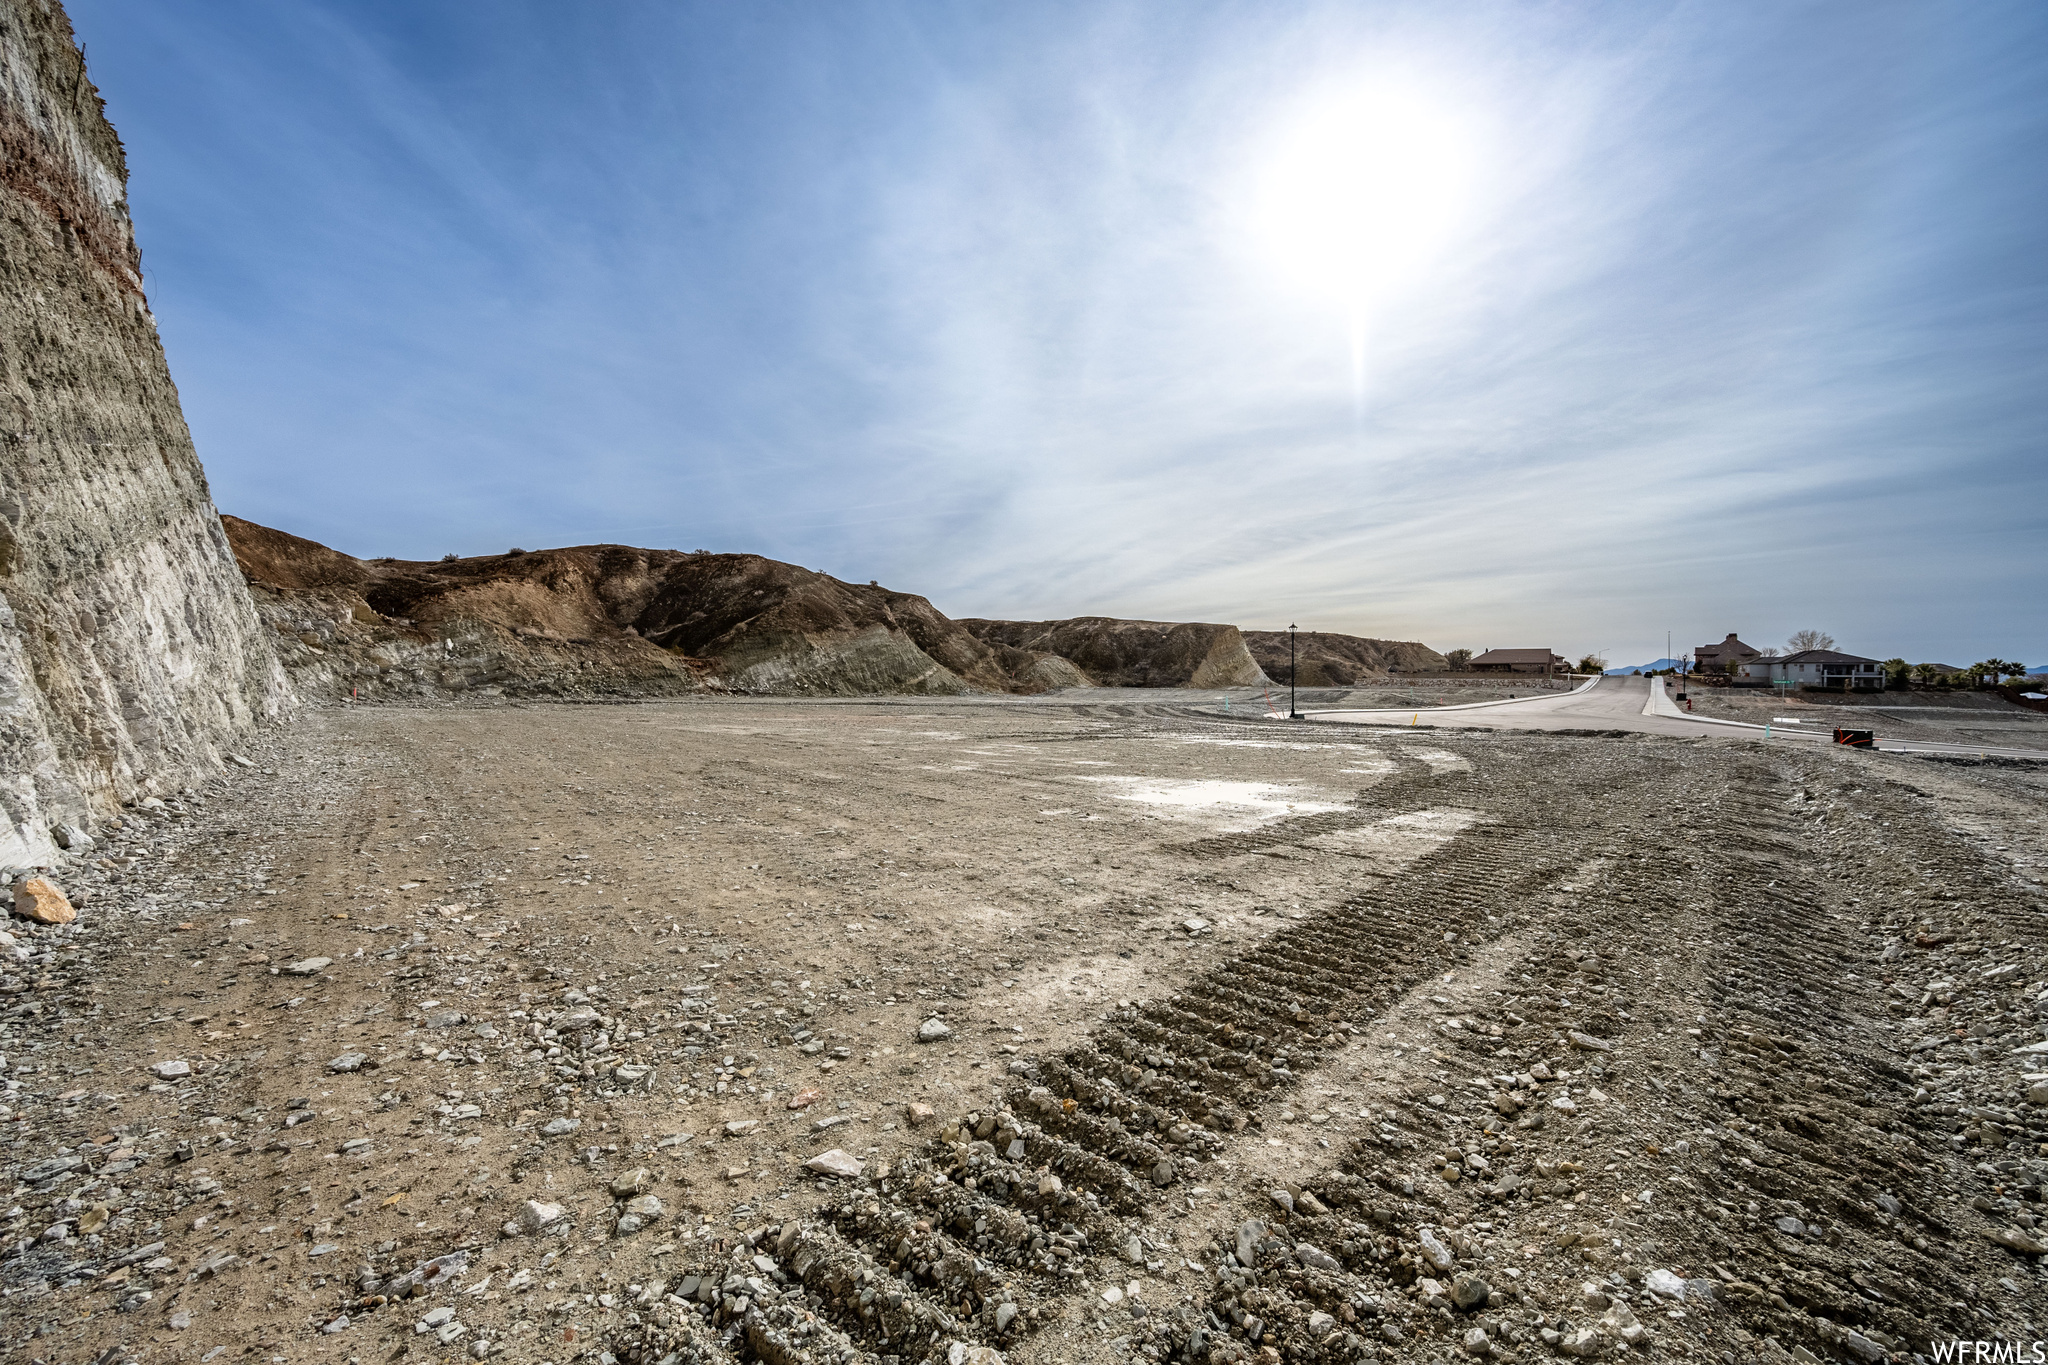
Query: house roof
column 1516, row 656
column 1730, row 643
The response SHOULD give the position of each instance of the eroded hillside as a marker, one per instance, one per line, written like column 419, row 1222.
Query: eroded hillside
column 614, row 620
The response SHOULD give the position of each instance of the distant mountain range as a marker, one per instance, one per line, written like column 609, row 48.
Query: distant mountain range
column 1644, row 668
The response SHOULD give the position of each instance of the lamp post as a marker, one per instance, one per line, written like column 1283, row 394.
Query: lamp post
column 1293, row 675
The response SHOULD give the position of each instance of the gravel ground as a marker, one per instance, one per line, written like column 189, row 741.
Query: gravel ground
column 1945, row 717
column 561, row 1032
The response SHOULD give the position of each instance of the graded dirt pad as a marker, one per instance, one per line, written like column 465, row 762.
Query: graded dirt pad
column 1943, row 717
column 460, row 1032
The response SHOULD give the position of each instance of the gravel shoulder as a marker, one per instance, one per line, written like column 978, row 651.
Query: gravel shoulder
column 511, row 1029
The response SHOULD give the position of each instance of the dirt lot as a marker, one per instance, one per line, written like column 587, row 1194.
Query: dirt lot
column 1944, row 717
column 458, row 1032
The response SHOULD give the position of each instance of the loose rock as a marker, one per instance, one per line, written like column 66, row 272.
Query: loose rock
column 39, row 899
column 835, row 1162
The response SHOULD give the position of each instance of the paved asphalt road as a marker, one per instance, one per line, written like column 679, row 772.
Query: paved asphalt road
column 1624, row 703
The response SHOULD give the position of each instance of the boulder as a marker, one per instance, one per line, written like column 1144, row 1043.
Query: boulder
column 39, row 899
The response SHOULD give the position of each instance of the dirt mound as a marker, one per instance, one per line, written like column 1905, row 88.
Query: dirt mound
column 776, row 627
column 610, row 620
column 1340, row 660
column 542, row 624
column 1114, row 653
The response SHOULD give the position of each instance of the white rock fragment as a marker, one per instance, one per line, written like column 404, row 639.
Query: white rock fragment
column 170, row 1071
column 835, row 1162
column 1664, row 1284
column 532, row 1217
column 933, row 1030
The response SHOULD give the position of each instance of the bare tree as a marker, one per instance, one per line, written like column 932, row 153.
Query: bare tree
column 1809, row 639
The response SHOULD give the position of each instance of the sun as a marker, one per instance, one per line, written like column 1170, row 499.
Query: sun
column 1363, row 191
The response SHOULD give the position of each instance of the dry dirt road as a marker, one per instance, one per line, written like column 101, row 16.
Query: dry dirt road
column 1629, row 703
column 588, row 1033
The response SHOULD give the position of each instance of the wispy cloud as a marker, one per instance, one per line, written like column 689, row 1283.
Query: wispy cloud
column 1740, row 322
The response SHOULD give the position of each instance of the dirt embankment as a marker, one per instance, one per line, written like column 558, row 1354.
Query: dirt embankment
column 129, row 653
column 1328, row 660
column 1116, row 653
column 614, row 620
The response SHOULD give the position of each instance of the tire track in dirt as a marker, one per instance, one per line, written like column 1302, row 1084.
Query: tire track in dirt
column 1040, row 1181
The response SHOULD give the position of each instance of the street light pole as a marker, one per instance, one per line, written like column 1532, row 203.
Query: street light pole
column 1293, row 675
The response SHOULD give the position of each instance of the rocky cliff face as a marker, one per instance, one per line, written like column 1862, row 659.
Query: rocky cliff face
column 1340, row 660
column 130, row 653
column 1115, row 653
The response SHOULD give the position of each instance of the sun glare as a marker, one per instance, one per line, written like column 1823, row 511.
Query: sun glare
column 1364, row 190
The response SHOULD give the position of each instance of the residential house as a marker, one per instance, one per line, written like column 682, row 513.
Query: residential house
column 1724, row 657
column 1538, row 661
column 1821, row 669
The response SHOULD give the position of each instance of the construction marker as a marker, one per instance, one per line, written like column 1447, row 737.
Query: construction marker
column 1416, row 719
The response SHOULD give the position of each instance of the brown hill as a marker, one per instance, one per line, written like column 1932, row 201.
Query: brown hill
column 599, row 620
column 1340, row 660
column 609, row 620
column 1115, row 653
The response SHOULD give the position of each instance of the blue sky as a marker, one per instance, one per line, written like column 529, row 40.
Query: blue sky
column 1485, row 325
